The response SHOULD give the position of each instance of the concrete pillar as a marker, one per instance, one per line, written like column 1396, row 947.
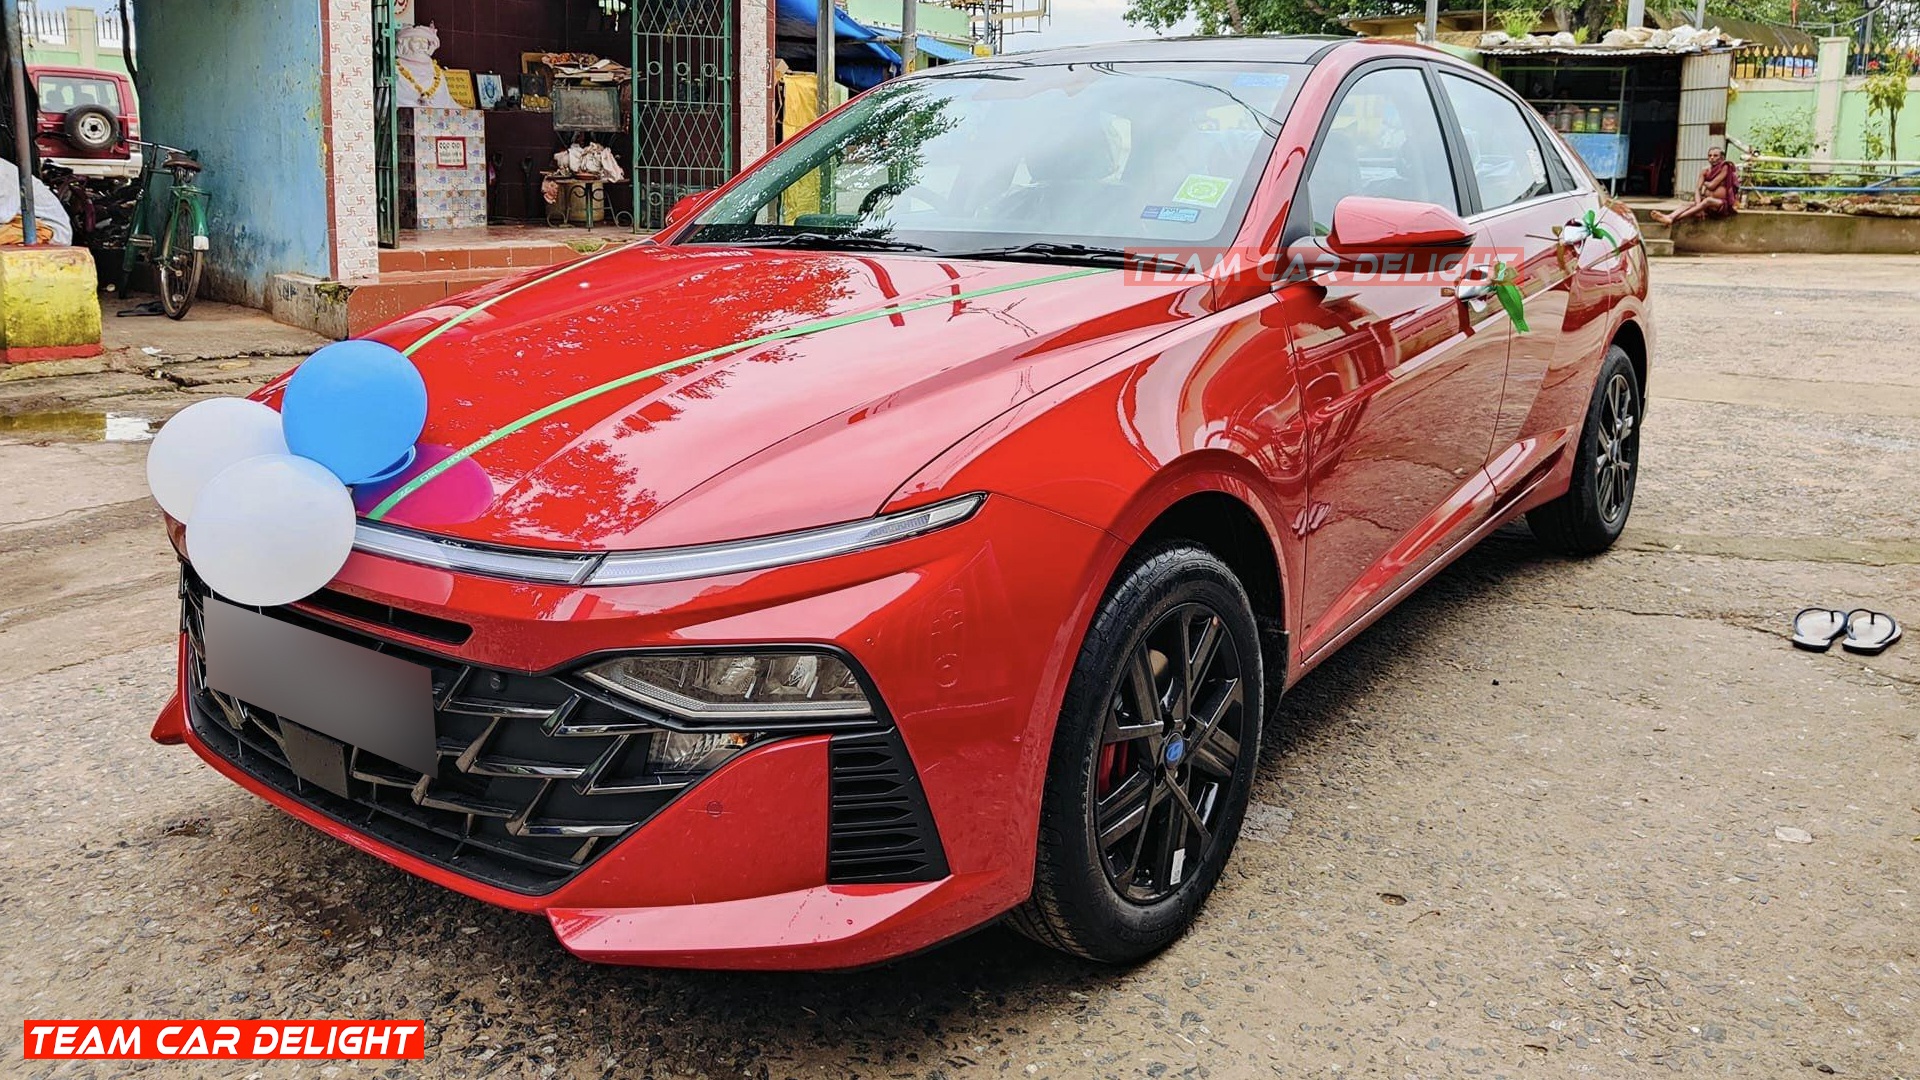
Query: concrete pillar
column 755, row 80
column 1830, row 73
column 83, row 32
column 347, row 90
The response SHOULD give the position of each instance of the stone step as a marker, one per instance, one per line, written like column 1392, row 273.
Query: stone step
column 1657, row 247
column 339, row 309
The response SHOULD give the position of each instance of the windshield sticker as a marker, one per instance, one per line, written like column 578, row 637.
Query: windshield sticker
column 1184, row 214
column 1267, row 80
column 1199, row 190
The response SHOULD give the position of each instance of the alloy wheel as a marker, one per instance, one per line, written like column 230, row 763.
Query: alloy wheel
column 1618, row 450
column 1173, row 733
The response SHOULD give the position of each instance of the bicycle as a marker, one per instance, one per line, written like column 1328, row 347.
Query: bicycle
column 178, row 254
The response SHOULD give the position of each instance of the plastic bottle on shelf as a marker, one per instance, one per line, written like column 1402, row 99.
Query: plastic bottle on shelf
column 1610, row 120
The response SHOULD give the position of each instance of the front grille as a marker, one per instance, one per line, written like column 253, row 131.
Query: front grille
column 879, row 828
column 537, row 778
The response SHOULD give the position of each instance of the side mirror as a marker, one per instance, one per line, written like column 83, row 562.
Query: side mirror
column 690, row 205
column 1363, row 224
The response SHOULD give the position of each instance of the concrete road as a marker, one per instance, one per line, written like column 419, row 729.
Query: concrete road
column 1538, row 822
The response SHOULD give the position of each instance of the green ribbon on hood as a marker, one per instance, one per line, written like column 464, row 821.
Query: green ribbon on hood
column 387, row 504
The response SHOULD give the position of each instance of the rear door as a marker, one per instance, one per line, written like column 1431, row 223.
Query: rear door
column 1400, row 380
column 1523, row 195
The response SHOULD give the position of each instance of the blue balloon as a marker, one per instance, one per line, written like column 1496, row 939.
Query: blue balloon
column 356, row 407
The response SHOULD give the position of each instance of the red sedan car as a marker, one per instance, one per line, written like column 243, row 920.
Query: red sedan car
column 917, row 533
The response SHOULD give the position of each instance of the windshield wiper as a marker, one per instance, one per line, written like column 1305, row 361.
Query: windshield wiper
column 1046, row 251
column 818, row 241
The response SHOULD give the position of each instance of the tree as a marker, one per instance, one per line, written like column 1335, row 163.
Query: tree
column 1887, row 94
column 1262, row 16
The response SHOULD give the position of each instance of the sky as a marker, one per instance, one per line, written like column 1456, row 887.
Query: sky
column 1084, row 22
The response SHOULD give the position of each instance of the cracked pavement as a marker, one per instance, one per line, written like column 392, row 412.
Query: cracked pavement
column 1539, row 821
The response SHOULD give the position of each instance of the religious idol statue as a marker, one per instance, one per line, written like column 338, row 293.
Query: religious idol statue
column 423, row 83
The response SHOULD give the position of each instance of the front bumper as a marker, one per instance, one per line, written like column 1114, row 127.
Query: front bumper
column 966, row 635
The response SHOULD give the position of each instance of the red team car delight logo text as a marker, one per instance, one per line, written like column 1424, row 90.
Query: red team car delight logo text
column 206, row 1040
column 1417, row 266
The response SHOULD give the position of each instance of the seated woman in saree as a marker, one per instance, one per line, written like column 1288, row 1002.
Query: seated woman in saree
column 1719, row 187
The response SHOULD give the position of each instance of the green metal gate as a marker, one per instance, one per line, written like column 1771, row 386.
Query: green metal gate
column 683, row 87
column 386, row 125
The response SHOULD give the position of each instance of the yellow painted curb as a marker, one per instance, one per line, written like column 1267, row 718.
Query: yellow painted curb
column 49, row 309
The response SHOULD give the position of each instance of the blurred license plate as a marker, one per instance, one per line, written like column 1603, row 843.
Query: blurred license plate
column 351, row 693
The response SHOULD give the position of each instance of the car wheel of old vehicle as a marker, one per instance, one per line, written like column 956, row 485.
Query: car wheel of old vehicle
column 1590, row 516
column 1151, row 763
column 92, row 128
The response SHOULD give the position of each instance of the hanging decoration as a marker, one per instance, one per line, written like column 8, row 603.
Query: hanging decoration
column 1506, row 287
column 266, row 496
column 1575, row 233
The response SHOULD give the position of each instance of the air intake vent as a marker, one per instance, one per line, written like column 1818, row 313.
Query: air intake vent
column 879, row 827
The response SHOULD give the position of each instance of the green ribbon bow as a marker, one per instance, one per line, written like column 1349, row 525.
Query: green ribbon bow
column 1591, row 222
column 1506, row 287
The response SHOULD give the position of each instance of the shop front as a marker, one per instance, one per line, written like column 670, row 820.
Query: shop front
column 1642, row 120
column 548, row 113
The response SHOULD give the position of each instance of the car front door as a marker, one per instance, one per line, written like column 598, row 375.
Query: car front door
column 1400, row 377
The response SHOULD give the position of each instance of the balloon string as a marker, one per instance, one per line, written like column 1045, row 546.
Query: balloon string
column 538, row 415
column 470, row 312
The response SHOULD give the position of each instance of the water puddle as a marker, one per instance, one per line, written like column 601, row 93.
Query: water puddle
column 79, row 426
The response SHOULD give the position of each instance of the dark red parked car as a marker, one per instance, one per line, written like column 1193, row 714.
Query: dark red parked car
column 89, row 122
column 885, row 551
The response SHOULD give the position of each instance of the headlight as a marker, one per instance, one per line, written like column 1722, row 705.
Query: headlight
column 721, row 687
column 675, row 753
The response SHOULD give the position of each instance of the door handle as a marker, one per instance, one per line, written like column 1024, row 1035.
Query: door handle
column 1475, row 284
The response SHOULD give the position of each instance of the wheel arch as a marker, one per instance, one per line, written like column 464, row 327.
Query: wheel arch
column 1211, row 499
column 1632, row 339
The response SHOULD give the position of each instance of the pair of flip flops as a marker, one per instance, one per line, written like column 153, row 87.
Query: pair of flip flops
column 1857, row 631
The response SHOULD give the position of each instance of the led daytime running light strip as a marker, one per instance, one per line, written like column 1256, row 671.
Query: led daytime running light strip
column 663, row 564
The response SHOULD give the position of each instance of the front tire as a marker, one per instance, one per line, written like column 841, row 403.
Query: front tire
column 1593, row 512
column 1152, row 762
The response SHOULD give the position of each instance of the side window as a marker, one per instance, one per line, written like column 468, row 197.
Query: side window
column 1384, row 141
column 1501, row 146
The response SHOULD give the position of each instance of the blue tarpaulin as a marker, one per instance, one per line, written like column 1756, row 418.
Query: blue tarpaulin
column 932, row 46
column 860, row 59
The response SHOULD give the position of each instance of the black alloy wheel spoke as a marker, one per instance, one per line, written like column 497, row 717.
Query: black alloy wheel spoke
column 1217, row 756
column 1124, row 810
column 1185, row 806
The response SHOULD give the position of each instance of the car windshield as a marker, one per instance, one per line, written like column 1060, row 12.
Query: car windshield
column 1060, row 162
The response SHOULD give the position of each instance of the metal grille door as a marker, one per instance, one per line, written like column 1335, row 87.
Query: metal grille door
column 1703, row 114
column 683, row 85
column 386, row 125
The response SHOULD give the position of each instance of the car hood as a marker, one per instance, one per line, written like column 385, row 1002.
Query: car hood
column 890, row 360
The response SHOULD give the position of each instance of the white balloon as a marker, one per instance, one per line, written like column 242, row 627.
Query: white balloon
column 271, row 529
column 205, row 438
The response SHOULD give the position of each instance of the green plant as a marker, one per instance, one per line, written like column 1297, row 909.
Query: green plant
column 1518, row 22
column 1581, row 34
column 1781, row 133
column 1886, row 96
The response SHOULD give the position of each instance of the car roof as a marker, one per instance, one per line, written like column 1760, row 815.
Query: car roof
column 1273, row 48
